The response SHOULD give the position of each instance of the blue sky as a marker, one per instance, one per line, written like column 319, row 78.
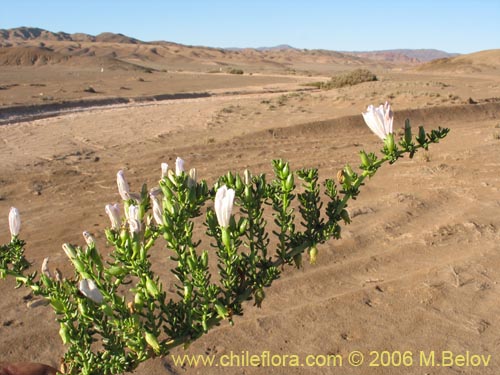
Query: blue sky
column 454, row 26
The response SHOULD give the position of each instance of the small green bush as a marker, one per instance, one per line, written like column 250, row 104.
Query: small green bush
column 347, row 79
column 236, row 71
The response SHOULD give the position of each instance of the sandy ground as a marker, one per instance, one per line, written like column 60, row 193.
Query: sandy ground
column 417, row 270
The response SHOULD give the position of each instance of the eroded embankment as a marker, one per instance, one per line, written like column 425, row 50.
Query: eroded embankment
column 431, row 117
column 23, row 113
column 17, row 114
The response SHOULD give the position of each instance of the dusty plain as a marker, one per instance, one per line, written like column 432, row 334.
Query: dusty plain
column 417, row 270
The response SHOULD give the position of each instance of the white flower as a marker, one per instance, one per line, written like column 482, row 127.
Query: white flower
column 379, row 119
column 224, row 199
column 123, row 188
column 14, row 221
column 89, row 239
column 179, row 166
column 89, row 290
column 157, row 210
column 113, row 211
column 134, row 221
column 164, row 169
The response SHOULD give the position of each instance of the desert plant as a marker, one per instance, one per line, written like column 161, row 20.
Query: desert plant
column 90, row 89
column 235, row 71
column 115, row 313
column 349, row 79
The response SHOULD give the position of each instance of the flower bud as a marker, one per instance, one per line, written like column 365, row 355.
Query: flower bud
column 14, row 222
column 152, row 341
column 151, row 288
column 421, row 135
column 164, row 169
column 171, row 178
column 408, row 134
column 79, row 266
column 139, row 301
column 365, row 162
column 285, row 170
column 179, row 166
column 89, row 239
column 238, row 184
column 188, row 290
column 64, row 333
column 243, row 224
column 247, row 177
column 289, row 182
column 116, row 271
column 230, row 178
column 113, row 211
column 204, row 259
column 69, row 250
column 123, row 187
column 192, row 264
column 89, row 289
column 348, row 170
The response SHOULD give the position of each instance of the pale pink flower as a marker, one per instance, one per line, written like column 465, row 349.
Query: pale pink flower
column 224, row 199
column 379, row 119
column 89, row 289
column 89, row 239
column 164, row 169
column 123, row 187
column 14, row 221
column 113, row 211
column 179, row 166
column 157, row 210
column 134, row 221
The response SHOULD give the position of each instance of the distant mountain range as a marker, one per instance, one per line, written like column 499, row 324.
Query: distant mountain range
column 413, row 55
column 391, row 55
column 29, row 46
column 15, row 36
column 21, row 34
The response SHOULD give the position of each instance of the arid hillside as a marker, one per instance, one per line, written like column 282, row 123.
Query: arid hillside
column 487, row 62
